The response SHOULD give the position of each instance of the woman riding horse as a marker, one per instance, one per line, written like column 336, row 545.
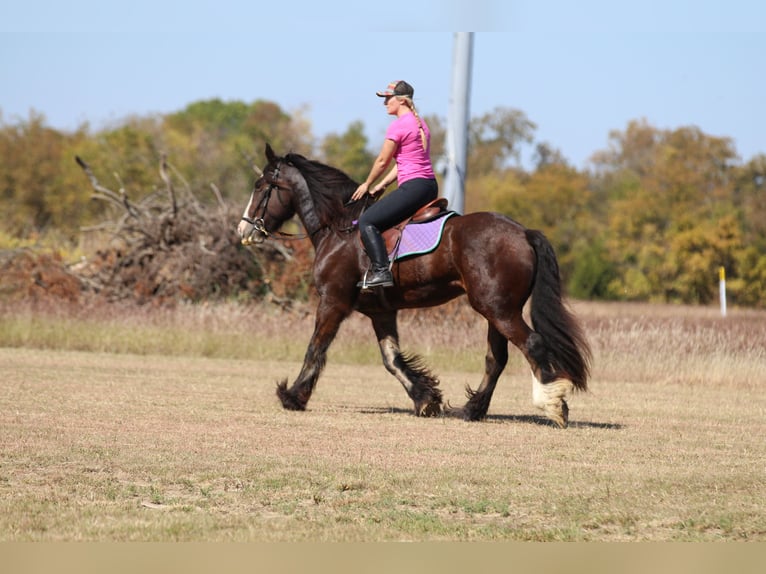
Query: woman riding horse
column 493, row 260
column 408, row 142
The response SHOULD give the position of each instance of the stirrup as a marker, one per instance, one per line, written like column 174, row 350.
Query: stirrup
column 376, row 278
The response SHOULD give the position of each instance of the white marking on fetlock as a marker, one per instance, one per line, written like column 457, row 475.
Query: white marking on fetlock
column 550, row 398
column 390, row 350
column 538, row 392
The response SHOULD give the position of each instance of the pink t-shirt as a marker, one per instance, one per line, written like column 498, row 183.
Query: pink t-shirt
column 412, row 160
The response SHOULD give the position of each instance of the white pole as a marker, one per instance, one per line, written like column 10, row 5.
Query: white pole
column 722, row 289
column 457, row 124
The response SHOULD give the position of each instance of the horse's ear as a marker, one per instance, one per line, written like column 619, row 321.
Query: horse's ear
column 270, row 155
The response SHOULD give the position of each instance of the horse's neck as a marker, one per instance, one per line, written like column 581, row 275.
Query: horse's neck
column 305, row 207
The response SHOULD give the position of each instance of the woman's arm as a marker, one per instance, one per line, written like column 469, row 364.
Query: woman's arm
column 378, row 168
column 386, row 181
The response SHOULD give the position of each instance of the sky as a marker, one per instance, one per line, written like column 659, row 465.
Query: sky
column 578, row 69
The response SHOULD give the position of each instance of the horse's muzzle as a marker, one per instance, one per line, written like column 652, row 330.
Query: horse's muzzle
column 253, row 239
column 249, row 233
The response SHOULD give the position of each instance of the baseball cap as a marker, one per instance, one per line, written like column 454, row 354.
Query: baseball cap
column 397, row 88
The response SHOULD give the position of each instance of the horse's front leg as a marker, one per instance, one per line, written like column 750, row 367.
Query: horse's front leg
column 327, row 323
column 421, row 385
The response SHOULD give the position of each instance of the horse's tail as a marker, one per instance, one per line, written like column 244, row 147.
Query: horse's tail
column 568, row 352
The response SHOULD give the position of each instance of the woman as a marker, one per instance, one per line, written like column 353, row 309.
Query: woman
column 408, row 142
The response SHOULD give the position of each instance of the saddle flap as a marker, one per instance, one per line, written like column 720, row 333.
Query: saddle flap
column 417, row 239
column 430, row 211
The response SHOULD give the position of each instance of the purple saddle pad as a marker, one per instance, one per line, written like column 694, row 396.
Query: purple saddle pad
column 420, row 238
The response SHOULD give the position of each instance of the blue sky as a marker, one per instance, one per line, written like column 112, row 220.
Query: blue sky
column 578, row 69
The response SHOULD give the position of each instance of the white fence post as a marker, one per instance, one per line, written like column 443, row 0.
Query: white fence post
column 722, row 289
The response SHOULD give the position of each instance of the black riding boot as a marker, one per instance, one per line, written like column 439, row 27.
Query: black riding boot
column 379, row 275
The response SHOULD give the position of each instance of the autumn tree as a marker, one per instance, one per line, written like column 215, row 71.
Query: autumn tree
column 39, row 189
column 494, row 177
column 219, row 142
column 749, row 196
column 670, row 219
column 748, row 278
column 496, row 140
column 348, row 152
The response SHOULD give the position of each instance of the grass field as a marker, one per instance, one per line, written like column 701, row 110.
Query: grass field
column 163, row 426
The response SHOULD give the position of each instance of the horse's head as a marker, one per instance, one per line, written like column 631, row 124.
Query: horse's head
column 291, row 185
column 271, row 202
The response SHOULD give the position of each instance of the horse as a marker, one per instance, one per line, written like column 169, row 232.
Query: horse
column 494, row 261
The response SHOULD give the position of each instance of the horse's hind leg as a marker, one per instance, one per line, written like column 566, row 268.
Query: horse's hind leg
column 494, row 363
column 549, row 392
column 421, row 385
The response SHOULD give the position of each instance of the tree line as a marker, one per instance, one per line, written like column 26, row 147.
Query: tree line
column 653, row 217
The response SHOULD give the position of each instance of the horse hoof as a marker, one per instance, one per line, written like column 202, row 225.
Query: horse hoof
column 429, row 410
column 558, row 416
column 289, row 401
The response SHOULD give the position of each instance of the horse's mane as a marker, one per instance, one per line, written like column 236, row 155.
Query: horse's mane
column 330, row 189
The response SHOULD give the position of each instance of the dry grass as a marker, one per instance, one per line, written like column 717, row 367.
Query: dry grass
column 190, row 445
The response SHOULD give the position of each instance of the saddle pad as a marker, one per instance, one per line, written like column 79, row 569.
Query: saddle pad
column 420, row 238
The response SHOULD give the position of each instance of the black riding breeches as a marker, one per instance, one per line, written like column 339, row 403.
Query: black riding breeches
column 394, row 208
column 400, row 204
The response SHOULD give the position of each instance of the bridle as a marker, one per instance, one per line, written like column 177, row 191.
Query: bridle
column 258, row 222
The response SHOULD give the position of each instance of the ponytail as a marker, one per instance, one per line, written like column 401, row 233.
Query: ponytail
column 411, row 105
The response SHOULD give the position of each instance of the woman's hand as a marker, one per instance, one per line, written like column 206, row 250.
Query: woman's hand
column 378, row 167
column 360, row 192
column 381, row 187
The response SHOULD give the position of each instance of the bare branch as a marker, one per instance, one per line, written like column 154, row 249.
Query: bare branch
column 180, row 176
column 95, row 184
column 218, row 196
column 105, row 193
column 166, row 244
column 168, row 184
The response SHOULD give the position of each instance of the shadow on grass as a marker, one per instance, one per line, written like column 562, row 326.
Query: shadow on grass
column 384, row 411
column 528, row 419
column 543, row 421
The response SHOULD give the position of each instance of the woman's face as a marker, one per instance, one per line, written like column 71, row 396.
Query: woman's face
column 392, row 104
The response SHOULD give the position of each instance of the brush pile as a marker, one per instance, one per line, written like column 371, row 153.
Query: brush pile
column 167, row 246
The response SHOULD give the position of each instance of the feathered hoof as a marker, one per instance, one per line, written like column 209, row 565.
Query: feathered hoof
column 289, row 400
column 430, row 409
column 550, row 398
column 558, row 415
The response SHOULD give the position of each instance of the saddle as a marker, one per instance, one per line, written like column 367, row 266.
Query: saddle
column 430, row 211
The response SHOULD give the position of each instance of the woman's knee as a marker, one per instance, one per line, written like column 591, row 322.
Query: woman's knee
column 366, row 221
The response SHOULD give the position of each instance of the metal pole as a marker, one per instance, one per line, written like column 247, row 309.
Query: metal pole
column 457, row 124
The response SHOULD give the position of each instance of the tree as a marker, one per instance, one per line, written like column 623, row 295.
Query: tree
column 670, row 218
column 348, row 152
column 220, row 142
column 496, row 138
column 39, row 190
column 750, row 198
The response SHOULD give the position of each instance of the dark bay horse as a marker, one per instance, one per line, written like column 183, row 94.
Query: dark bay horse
column 493, row 260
